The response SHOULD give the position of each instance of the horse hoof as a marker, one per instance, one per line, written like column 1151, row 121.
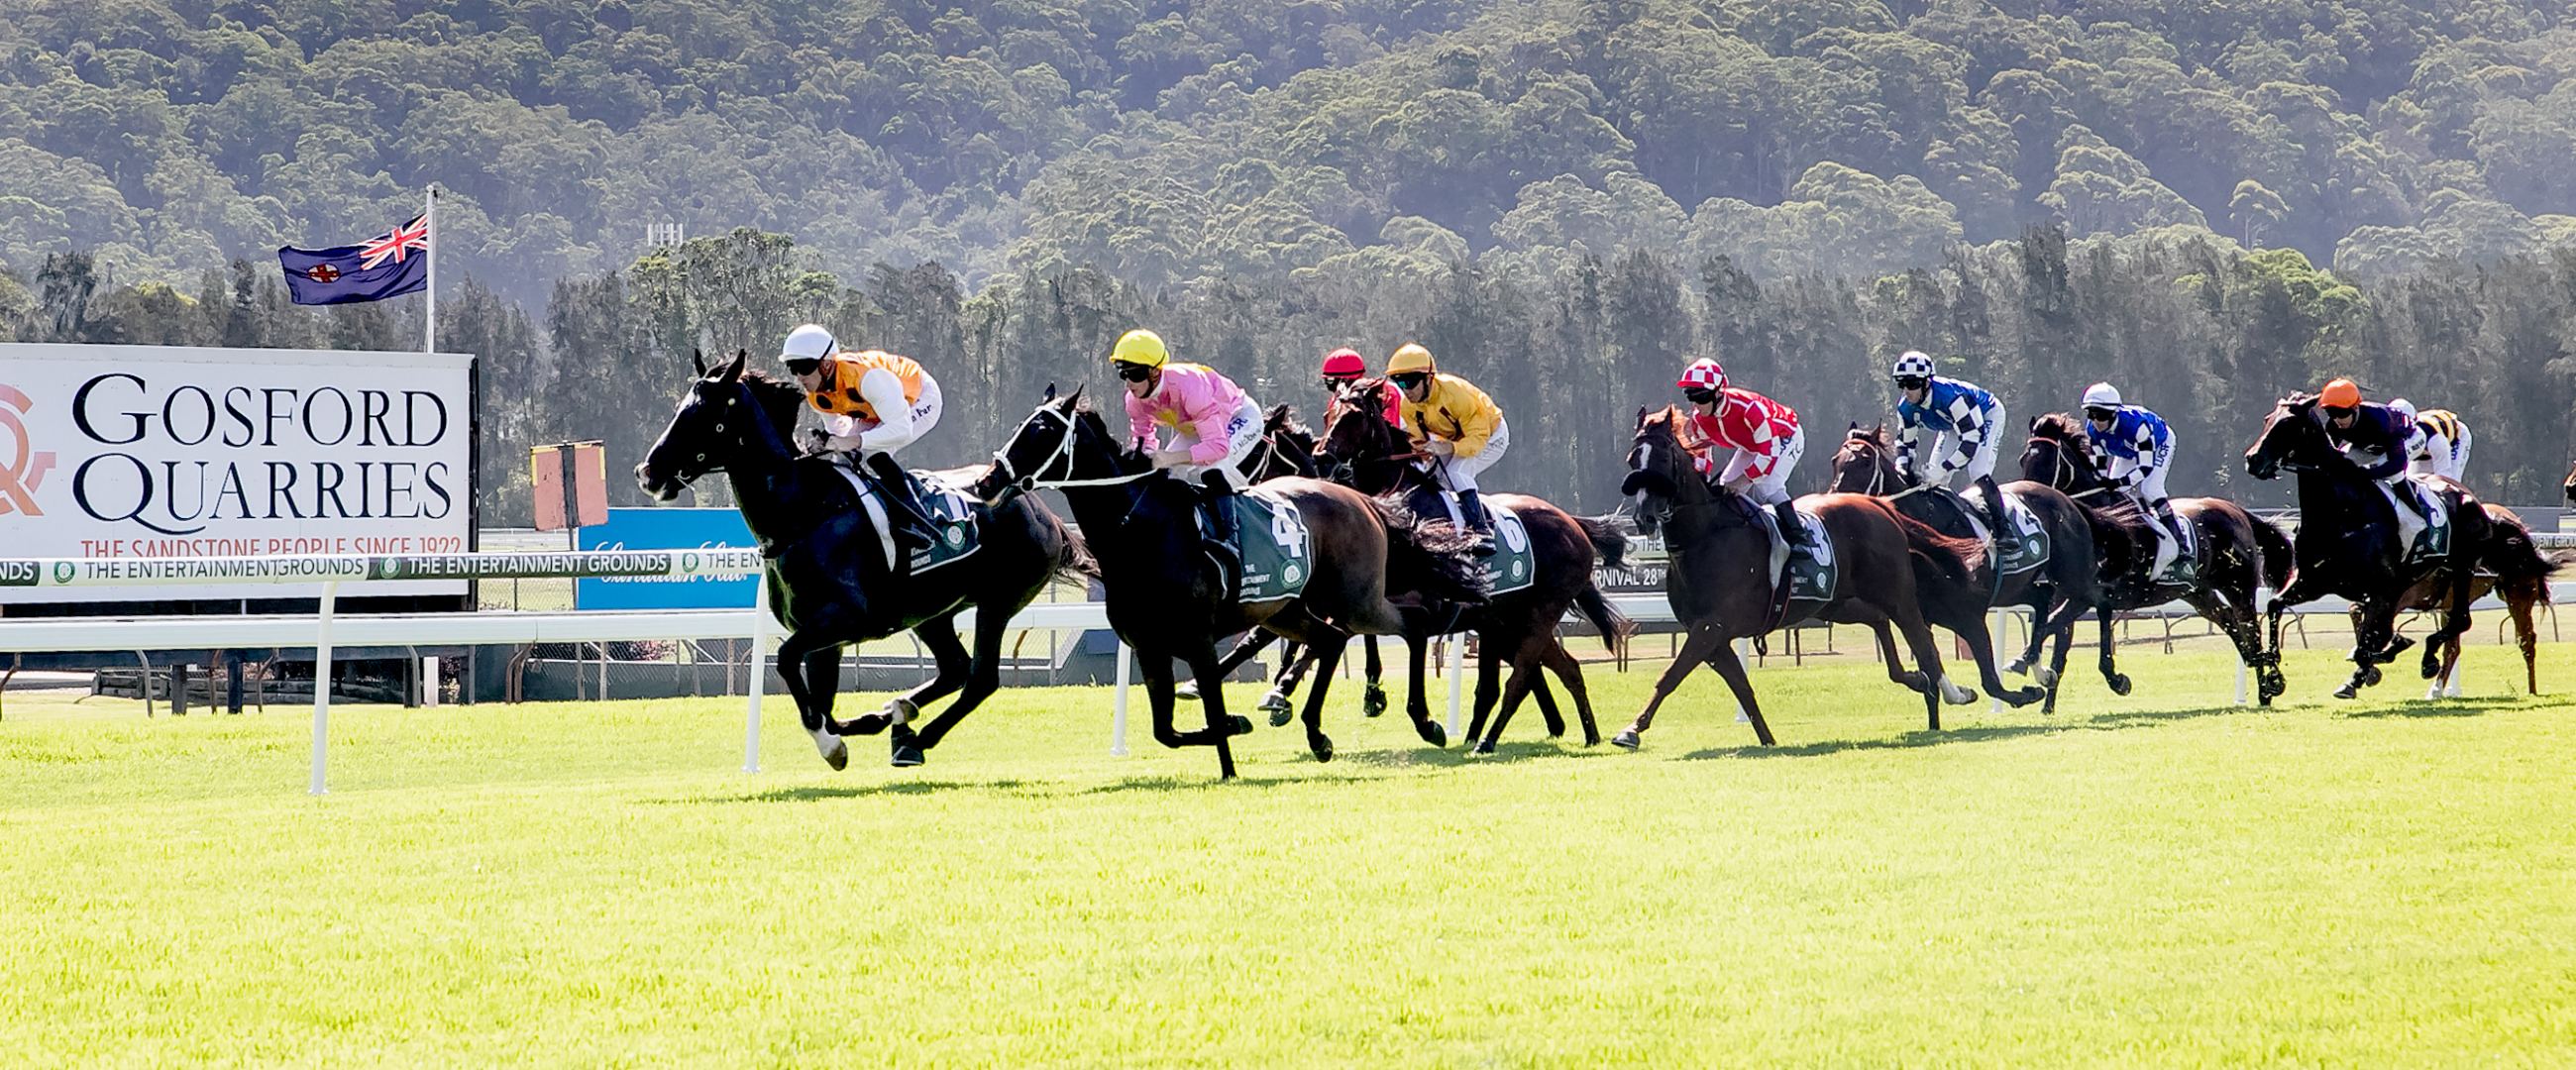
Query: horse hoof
column 2434, row 692
column 907, row 755
column 2119, row 684
column 2348, row 690
column 1484, row 746
column 2026, row 696
column 2370, row 676
column 1431, row 732
column 2019, row 667
column 835, row 753
column 1237, row 725
column 1915, row 682
column 869, row 724
column 2046, row 677
column 1187, row 692
column 1592, row 739
column 1321, row 747
column 1373, row 703
column 2396, row 646
column 1625, row 740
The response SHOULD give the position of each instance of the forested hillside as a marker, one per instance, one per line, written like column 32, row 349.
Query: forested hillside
column 2209, row 202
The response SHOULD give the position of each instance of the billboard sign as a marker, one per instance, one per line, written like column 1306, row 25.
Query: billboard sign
column 684, row 530
column 111, row 452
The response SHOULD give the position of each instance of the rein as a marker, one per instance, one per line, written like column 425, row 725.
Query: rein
column 1062, row 454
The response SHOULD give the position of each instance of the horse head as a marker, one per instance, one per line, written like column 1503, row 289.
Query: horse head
column 1660, row 472
column 2293, row 437
column 2060, row 455
column 1864, row 464
column 1062, row 442
column 1287, row 443
column 724, row 414
column 1356, row 433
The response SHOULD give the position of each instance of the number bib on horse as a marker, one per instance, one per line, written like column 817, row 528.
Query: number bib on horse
column 2023, row 543
column 1811, row 569
column 1278, row 552
column 1514, row 566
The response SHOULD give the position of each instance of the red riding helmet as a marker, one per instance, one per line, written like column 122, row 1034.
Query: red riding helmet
column 1703, row 374
column 1344, row 363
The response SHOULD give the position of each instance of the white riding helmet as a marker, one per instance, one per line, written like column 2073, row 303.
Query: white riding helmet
column 2101, row 396
column 1915, row 364
column 2404, row 408
column 809, row 342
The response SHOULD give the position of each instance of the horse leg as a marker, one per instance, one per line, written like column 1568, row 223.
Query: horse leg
column 1731, row 669
column 1982, row 647
column 2454, row 625
column 1546, row 699
column 1524, row 670
column 983, row 673
column 2065, row 639
column 2110, row 661
column 1695, row 650
column 1221, row 728
column 1245, row 649
column 1327, row 653
column 1373, row 697
column 1417, row 652
column 1897, row 673
column 1570, row 673
column 1918, row 635
column 793, row 654
column 2374, row 623
column 2518, row 602
column 1488, row 684
column 1294, row 660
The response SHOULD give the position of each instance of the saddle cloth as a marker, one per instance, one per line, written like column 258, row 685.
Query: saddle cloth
column 952, row 517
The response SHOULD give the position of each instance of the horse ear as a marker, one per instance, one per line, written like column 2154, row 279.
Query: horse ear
column 1050, row 394
column 698, row 360
column 1074, row 399
column 1855, row 426
column 1641, row 417
column 733, row 368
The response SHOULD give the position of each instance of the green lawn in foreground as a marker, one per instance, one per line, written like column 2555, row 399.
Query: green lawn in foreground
column 2157, row 879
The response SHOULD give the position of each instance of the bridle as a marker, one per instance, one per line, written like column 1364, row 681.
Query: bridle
column 1061, row 454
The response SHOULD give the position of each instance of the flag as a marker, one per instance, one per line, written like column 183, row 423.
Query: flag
column 391, row 265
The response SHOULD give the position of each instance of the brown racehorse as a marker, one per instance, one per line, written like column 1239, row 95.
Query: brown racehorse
column 1866, row 464
column 1719, row 557
column 2519, row 597
column 2239, row 552
column 1167, row 600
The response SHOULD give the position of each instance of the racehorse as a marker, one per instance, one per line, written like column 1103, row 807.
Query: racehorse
column 2238, row 551
column 2519, row 597
column 1866, row 464
column 1361, row 450
column 1166, row 599
column 1716, row 575
column 829, row 584
column 2347, row 545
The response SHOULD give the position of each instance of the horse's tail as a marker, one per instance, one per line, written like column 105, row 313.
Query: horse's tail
column 1953, row 560
column 1434, row 560
column 1615, row 626
column 2511, row 554
column 1074, row 562
column 1606, row 538
column 2277, row 555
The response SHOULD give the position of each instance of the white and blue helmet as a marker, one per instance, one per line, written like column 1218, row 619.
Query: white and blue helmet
column 2101, row 396
column 1915, row 364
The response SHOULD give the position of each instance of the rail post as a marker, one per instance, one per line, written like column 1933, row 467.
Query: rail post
column 321, row 688
column 1118, row 705
column 759, row 678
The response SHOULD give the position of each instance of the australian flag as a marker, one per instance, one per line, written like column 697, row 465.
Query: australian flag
column 392, row 265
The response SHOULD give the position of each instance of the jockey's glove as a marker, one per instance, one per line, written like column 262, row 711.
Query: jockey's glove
column 1171, row 458
column 1440, row 447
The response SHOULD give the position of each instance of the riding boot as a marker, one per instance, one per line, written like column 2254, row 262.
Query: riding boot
column 1479, row 523
column 1791, row 533
column 2169, row 539
column 913, row 531
column 1994, row 503
column 1216, row 500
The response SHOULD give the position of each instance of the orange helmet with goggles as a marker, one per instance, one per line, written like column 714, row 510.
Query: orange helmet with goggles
column 2341, row 394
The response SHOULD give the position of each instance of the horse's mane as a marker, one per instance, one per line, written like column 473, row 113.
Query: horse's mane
column 1876, row 436
column 2057, row 427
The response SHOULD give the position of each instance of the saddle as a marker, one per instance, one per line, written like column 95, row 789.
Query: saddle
column 952, row 513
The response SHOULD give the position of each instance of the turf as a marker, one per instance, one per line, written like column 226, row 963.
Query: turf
column 2158, row 879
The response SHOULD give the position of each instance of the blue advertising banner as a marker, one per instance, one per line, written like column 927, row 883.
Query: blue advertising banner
column 665, row 529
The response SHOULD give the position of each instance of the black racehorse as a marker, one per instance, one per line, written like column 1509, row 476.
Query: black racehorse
column 2238, row 553
column 1866, row 464
column 829, row 583
column 1166, row 599
column 2347, row 545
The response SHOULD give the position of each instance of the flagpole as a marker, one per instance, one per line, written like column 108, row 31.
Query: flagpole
column 429, row 222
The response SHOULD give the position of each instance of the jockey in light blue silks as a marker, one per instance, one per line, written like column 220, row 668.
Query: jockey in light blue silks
column 2136, row 447
column 1971, row 418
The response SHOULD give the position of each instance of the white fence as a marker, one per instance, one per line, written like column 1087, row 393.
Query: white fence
column 326, row 628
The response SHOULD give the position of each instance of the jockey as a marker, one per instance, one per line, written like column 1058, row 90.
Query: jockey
column 1458, row 425
column 1972, row 418
column 2373, row 438
column 2437, row 445
column 2138, row 446
column 1764, row 443
column 1215, row 426
column 1343, row 367
column 874, row 403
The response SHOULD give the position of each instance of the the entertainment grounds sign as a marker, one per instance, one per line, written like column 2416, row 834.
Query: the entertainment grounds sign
column 115, row 452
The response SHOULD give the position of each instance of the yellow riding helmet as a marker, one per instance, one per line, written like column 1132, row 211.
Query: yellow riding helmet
column 1411, row 358
column 1140, row 347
